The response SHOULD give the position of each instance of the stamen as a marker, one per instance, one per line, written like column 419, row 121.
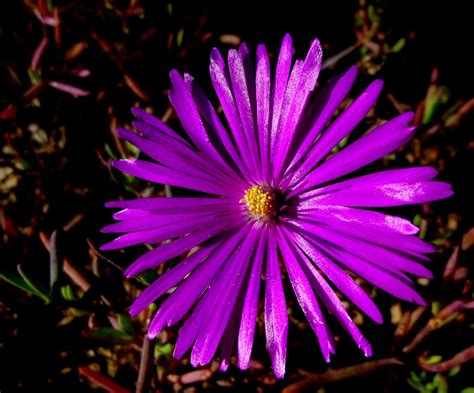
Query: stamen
column 259, row 202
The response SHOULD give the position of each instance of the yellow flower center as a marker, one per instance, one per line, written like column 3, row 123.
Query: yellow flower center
column 259, row 202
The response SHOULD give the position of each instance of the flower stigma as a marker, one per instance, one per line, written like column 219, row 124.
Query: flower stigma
column 259, row 202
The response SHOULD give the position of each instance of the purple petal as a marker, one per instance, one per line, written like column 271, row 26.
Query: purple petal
column 156, row 126
column 170, row 250
column 291, row 88
column 221, row 82
column 387, row 259
column 276, row 315
column 224, row 292
column 185, row 296
column 167, row 206
column 373, row 274
column 322, row 109
column 263, row 91
column 279, row 86
column 305, row 294
column 371, row 233
column 185, row 107
column 38, row 54
column 160, row 174
column 160, row 233
column 250, row 305
column 372, row 219
column 127, row 214
column 293, row 109
column 171, row 278
column 208, row 112
column 174, row 159
column 333, row 303
column 372, row 146
column 343, row 281
column 408, row 175
column 243, row 98
column 338, row 130
column 229, row 335
column 385, row 195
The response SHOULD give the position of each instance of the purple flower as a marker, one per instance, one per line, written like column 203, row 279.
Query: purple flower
column 271, row 201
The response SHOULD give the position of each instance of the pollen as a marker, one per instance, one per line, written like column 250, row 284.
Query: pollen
column 259, row 202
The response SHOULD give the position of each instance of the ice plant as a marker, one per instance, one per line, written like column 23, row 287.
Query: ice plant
column 270, row 200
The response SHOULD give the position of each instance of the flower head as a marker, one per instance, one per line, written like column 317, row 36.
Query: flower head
column 271, row 200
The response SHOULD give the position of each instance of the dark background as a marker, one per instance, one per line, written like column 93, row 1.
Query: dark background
column 54, row 176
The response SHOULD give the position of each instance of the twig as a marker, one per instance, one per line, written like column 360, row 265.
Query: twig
column 312, row 380
column 339, row 56
column 146, row 361
column 104, row 382
column 445, row 315
column 457, row 360
column 97, row 253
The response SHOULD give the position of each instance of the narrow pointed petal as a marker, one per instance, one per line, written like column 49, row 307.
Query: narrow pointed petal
column 263, row 94
column 390, row 194
column 387, row 259
column 230, row 334
column 160, row 174
column 175, row 159
column 376, row 144
column 224, row 292
column 185, row 107
column 295, row 107
column 173, row 249
column 166, row 232
column 167, row 206
column 331, row 301
column 338, row 130
column 380, row 278
column 185, row 296
column 276, row 315
column 405, row 175
column 343, row 281
column 171, row 278
column 305, row 295
column 322, row 109
column 365, row 231
column 250, row 305
column 221, row 82
column 208, row 112
column 291, row 88
column 241, row 88
column 279, row 86
column 373, row 219
column 157, row 125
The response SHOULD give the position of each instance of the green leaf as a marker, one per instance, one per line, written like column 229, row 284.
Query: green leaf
column 147, row 277
column 433, row 360
column 37, row 287
column 67, row 293
column 454, row 371
column 436, row 98
column 124, row 323
column 35, row 77
column 16, row 280
column 179, row 38
column 110, row 336
column 164, row 350
column 399, row 45
column 20, row 280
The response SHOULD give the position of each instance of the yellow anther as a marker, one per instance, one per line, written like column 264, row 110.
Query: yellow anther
column 258, row 201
